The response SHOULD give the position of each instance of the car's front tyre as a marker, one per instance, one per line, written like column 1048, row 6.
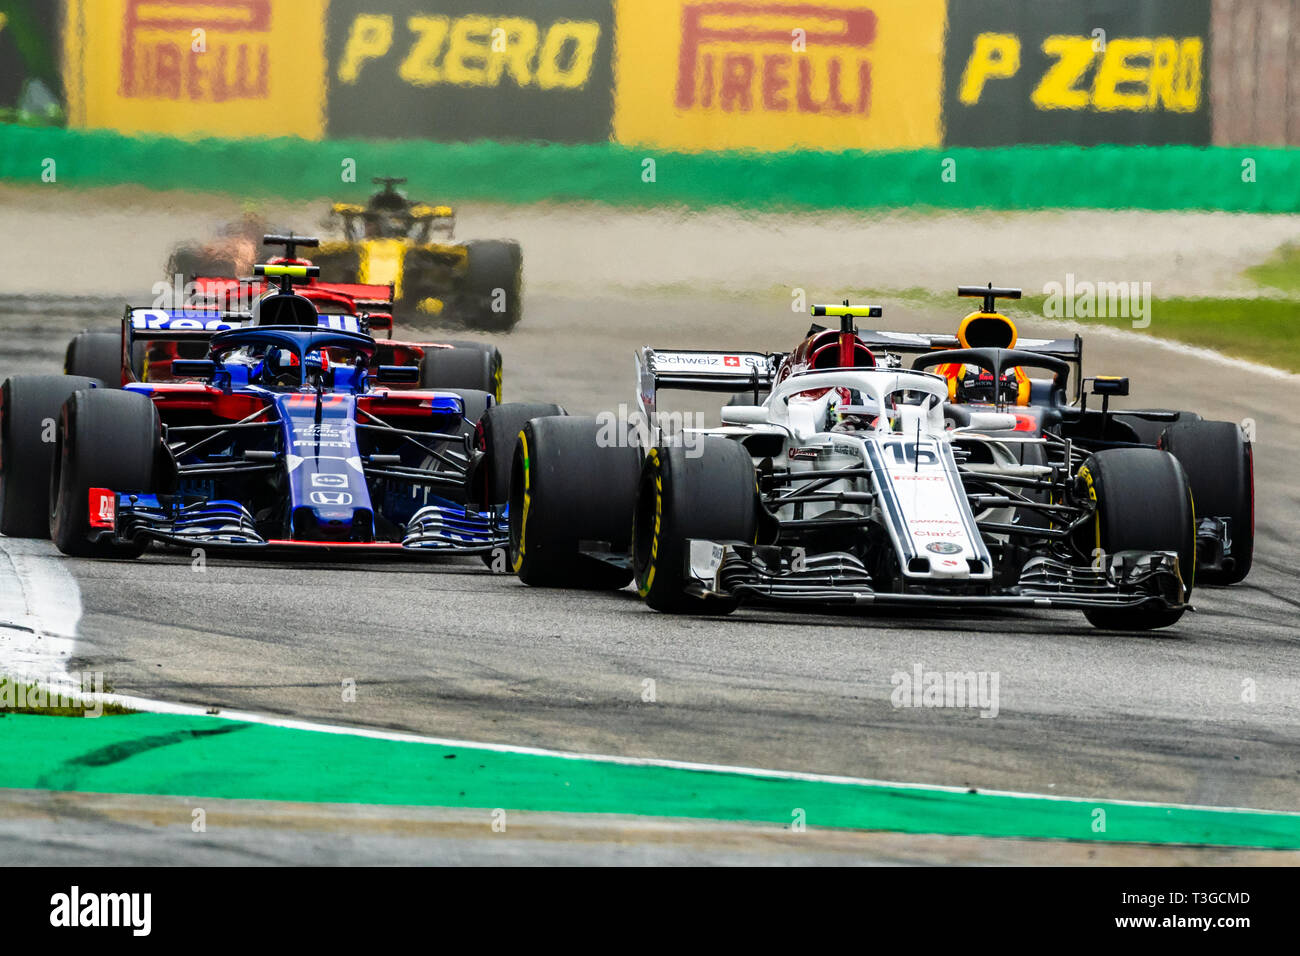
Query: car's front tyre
column 707, row 492
column 106, row 439
column 572, row 489
column 1143, row 503
column 29, row 417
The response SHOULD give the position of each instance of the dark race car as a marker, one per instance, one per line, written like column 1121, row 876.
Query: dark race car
column 288, row 433
column 988, row 367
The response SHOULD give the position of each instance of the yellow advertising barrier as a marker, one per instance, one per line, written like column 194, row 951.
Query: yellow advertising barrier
column 206, row 67
column 779, row 74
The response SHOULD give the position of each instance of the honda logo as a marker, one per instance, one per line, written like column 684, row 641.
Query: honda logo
column 331, row 498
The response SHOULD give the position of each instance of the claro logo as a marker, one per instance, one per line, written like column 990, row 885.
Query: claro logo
column 162, row 59
column 475, row 50
column 1134, row 74
column 740, row 57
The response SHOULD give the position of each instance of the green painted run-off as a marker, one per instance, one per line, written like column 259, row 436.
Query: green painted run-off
column 216, row 758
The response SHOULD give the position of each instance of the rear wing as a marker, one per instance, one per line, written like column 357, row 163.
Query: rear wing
column 918, row 343
column 198, row 325
column 186, row 325
column 700, row 371
column 214, row 290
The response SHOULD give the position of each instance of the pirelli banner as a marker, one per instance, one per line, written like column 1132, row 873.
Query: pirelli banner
column 471, row 69
column 1077, row 71
column 779, row 74
column 228, row 68
column 694, row 75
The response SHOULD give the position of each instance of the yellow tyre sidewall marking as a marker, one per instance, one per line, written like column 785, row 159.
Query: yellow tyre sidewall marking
column 644, row 586
column 1086, row 475
column 517, row 560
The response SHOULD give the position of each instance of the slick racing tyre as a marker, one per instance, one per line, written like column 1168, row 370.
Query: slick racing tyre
column 682, row 495
column 106, row 439
column 494, row 273
column 1143, row 504
column 1148, row 432
column 29, row 419
column 571, row 491
column 495, row 437
column 96, row 355
column 476, row 405
column 1220, row 466
column 468, row 365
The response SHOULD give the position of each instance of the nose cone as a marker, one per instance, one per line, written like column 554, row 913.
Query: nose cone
column 333, row 523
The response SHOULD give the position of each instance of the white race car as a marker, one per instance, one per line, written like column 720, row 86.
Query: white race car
column 855, row 482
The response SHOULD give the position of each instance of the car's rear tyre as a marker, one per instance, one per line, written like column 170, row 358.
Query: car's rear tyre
column 1143, row 504
column 96, row 355
column 476, row 405
column 494, row 271
column 1148, row 432
column 29, row 421
column 711, row 496
column 567, row 487
column 468, row 365
column 1220, row 467
column 495, row 437
column 106, row 439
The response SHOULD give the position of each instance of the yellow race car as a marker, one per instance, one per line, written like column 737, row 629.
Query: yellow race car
column 392, row 240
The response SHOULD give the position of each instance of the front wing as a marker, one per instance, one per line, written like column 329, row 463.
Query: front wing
column 1132, row 579
column 227, row 525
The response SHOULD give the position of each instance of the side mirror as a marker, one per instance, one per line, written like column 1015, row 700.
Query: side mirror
column 744, row 415
column 991, row 421
column 194, row 368
column 398, row 375
column 380, row 320
column 1109, row 385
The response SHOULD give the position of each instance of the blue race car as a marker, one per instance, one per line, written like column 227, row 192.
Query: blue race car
column 287, row 435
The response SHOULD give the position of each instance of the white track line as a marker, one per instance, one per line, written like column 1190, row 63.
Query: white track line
column 1182, row 348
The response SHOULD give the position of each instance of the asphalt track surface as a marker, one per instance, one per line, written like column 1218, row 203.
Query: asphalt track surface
column 448, row 648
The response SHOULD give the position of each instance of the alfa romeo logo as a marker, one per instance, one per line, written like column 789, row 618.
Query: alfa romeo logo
column 943, row 547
